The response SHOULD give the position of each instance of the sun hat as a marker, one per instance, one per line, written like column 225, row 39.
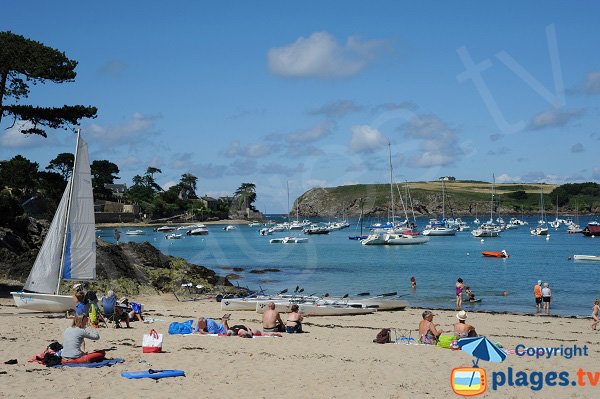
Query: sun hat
column 462, row 315
column 124, row 300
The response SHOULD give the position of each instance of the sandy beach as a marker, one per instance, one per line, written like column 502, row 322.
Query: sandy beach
column 335, row 359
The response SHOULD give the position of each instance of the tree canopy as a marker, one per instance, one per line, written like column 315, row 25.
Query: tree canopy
column 62, row 164
column 103, row 172
column 23, row 62
column 246, row 194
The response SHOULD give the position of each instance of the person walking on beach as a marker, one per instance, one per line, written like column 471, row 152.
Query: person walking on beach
column 546, row 297
column 459, row 290
column 595, row 310
column 537, row 293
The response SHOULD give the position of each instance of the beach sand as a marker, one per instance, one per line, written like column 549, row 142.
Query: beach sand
column 335, row 359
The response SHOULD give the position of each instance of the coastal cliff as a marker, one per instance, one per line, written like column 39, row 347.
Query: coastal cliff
column 129, row 268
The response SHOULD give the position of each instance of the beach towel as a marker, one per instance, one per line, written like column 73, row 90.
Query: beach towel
column 154, row 374
column 103, row 363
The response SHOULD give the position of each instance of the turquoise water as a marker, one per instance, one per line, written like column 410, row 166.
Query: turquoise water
column 336, row 265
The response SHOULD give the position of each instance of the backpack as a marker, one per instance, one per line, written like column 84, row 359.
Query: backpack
column 383, row 336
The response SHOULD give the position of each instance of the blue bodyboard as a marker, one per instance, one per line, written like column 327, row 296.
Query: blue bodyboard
column 154, row 374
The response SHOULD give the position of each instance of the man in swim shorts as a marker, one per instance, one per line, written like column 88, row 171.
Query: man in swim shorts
column 537, row 293
column 271, row 321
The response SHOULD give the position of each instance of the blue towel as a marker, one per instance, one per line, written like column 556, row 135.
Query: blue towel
column 105, row 362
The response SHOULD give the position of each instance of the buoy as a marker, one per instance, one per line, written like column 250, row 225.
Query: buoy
column 547, row 238
column 467, row 254
column 482, row 240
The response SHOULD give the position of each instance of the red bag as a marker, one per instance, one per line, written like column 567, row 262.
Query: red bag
column 152, row 342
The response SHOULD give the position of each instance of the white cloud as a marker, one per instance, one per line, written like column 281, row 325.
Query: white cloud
column 365, row 139
column 256, row 150
column 554, row 118
column 133, row 131
column 313, row 134
column 439, row 144
column 13, row 138
column 321, row 56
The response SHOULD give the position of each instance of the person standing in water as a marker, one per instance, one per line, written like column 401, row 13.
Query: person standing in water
column 117, row 235
column 537, row 293
column 413, row 282
column 459, row 290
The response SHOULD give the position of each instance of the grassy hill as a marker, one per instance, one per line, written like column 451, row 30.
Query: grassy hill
column 462, row 198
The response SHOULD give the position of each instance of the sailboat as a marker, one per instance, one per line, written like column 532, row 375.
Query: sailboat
column 542, row 229
column 69, row 248
column 360, row 222
column 440, row 228
column 489, row 229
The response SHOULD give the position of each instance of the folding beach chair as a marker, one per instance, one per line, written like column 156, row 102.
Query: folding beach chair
column 404, row 336
column 109, row 311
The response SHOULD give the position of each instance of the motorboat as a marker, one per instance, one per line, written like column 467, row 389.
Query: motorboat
column 294, row 240
column 541, row 230
column 318, row 230
column 487, row 230
column 200, row 231
column 134, row 232
column 164, row 229
column 495, row 254
column 173, row 236
column 265, row 231
column 229, row 228
column 591, row 230
column 254, row 224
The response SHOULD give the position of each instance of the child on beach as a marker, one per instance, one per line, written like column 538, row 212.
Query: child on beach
column 595, row 310
column 459, row 290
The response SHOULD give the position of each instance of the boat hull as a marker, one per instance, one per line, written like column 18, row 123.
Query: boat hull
column 317, row 310
column 493, row 254
column 587, row 258
column 43, row 302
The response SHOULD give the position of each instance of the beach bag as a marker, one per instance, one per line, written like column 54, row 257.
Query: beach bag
column 181, row 328
column 152, row 342
column 445, row 341
column 384, row 336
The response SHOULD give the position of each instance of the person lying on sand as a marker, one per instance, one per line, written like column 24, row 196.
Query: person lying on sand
column 271, row 320
column 247, row 332
column 209, row 326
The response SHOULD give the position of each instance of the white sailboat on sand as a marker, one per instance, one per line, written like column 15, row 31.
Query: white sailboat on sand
column 69, row 248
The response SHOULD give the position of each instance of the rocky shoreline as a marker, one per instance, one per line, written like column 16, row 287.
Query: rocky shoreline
column 128, row 268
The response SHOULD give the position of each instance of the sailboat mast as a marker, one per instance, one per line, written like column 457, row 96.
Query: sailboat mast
column 288, row 203
column 443, row 203
column 66, row 221
column 391, row 181
column 492, row 203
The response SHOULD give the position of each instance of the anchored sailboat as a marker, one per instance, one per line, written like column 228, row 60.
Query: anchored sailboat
column 69, row 248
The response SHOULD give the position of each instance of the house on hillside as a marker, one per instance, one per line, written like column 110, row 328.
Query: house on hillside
column 447, row 178
column 210, row 203
column 118, row 190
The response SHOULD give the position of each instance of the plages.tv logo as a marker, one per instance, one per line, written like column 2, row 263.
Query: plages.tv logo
column 471, row 381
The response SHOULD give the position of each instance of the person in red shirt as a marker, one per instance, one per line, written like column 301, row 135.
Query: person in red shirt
column 537, row 293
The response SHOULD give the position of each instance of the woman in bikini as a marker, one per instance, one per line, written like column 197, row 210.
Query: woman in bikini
column 428, row 333
column 595, row 313
column 459, row 289
column 294, row 321
column 462, row 329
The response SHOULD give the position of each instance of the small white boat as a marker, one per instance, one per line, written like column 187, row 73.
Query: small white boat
column 165, row 229
column 265, row 231
column 200, row 231
column 487, row 230
column 439, row 231
column 276, row 240
column 173, row 236
column 374, row 239
column 405, row 239
column 254, row 224
column 294, row 240
column 594, row 258
column 229, row 228
column 539, row 231
column 134, row 232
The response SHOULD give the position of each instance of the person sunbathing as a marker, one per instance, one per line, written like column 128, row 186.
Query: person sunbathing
column 247, row 332
column 428, row 333
column 209, row 326
column 462, row 329
column 271, row 320
column 294, row 321
column 73, row 340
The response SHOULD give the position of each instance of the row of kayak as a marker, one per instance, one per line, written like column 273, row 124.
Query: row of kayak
column 315, row 306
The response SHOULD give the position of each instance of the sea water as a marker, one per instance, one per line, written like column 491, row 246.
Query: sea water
column 336, row 265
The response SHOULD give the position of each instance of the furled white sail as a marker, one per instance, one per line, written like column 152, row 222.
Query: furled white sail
column 44, row 274
column 80, row 252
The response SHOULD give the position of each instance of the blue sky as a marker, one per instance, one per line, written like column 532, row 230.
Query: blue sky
column 311, row 92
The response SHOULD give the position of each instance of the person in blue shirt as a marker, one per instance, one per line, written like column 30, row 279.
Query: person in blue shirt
column 209, row 326
column 80, row 308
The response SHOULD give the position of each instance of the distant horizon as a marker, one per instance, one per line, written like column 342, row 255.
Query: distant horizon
column 269, row 93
